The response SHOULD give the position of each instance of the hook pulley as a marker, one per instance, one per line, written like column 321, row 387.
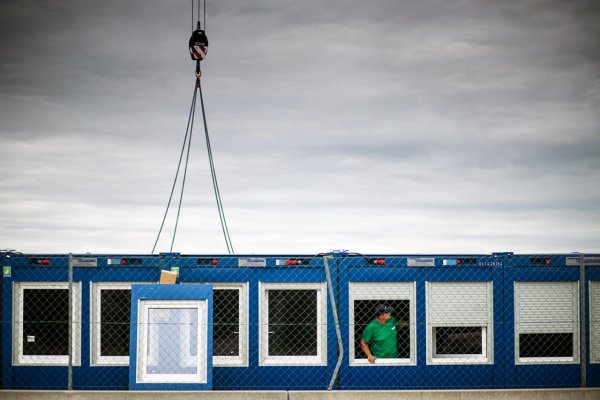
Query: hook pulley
column 198, row 44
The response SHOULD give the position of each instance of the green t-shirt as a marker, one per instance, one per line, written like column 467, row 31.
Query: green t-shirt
column 382, row 338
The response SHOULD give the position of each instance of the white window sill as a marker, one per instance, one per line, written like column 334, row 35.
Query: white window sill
column 172, row 378
column 458, row 360
column 228, row 361
column 546, row 360
column 293, row 361
column 54, row 361
column 382, row 362
column 112, row 361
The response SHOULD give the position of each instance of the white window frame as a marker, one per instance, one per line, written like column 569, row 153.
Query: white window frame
column 264, row 359
column 487, row 329
column 374, row 287
column 454, row 357
column 240, row 360
column 575, row 331
column 594, row 318
column 143, row 335
column 96, row 359
column 17, row 346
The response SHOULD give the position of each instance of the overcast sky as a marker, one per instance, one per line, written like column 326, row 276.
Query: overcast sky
column 388, row 126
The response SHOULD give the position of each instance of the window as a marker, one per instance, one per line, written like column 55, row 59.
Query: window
column 293, row 324
column 364, row 297
column 171, row 339
column 230, row 324
column 595, row 322
column 459, row 322
column 546, row 322
column 110, row 323
column 457, row 340
column 41, row 323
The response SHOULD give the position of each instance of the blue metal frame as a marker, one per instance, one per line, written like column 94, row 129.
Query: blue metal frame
column 503, row 272
column 519, row 269
column 255, row 376
column 169, row 292
column 84, row 376
column 420, row 376
column 593, row 370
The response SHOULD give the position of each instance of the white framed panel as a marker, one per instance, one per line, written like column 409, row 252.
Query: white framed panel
column 382, row 291
column 241, row 359
column 19, row 358
column 547, row 308
column 266, row 359
column 177, row 356
column 460, row 306
column 96, row 357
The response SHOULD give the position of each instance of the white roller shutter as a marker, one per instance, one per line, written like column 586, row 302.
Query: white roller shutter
column 459, row 303
column 595, row 321
column 381, row 290
column 546, row 307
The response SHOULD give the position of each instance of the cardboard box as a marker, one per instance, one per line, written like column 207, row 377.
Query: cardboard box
column 168, row 277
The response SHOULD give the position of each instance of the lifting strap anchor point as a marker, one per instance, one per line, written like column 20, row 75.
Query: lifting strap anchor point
column 198, row 72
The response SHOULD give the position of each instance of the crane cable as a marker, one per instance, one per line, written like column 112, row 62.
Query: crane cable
column 188, row 133
column 213, row 174
column 187, row 141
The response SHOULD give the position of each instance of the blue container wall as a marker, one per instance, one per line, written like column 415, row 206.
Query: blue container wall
column 262, row 377
column 84, row 376
column 421, row 375
column 95, row 377
column 504, row 372
column 26, row 377
column 3, row 323
column 88, row 377
column 519, row 269
column 592, row 370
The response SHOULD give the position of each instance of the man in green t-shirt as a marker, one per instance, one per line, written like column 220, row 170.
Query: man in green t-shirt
column 379, row 337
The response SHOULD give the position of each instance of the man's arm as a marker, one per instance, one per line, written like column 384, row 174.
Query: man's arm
column 365, row 347
column 403, row 324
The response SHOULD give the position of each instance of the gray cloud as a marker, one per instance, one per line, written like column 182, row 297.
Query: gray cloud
column 460, row 126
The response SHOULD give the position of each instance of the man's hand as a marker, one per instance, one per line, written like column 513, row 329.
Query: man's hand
column 365, row 347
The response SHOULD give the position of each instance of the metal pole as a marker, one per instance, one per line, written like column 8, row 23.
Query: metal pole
column 582, row 325
column 70, row 367
column 336, row 320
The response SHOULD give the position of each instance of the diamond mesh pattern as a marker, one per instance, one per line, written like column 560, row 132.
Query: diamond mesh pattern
column 546, row 345
column 226, row 322
column 46, row 322
column 292, row 322
column 502, row 321
column 458, row 340
column 114, row 324
column 364, row 313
